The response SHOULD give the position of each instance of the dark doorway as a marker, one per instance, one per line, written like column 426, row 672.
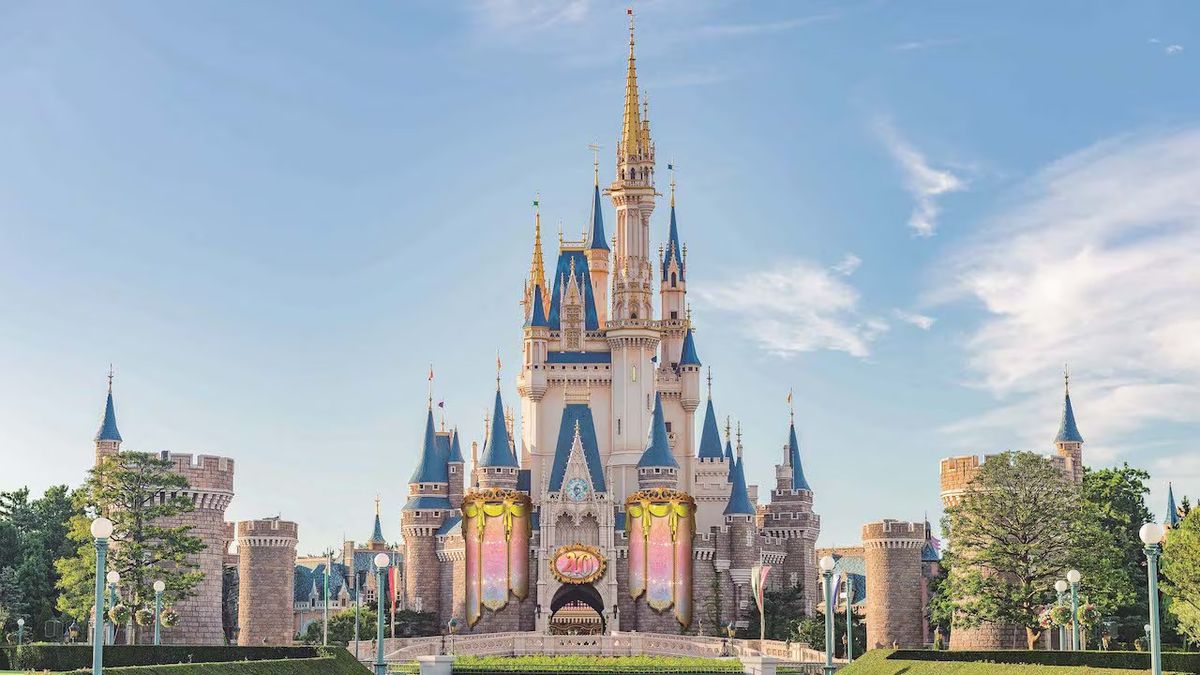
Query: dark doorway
column 577, row 609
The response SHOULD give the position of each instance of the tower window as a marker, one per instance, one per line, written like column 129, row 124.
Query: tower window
column 668, row 427
column 674, row 315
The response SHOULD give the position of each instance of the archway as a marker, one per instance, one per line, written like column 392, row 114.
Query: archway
column 577, row 609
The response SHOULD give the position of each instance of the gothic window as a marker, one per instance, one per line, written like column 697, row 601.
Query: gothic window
column 750, row 538
column 668, row 427
column 674, row 315
column 618, row 426
column 673, row 280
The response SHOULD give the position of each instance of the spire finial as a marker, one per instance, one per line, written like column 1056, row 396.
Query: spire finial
column 689, row 314
column 110, row 377
column 497, row 370
column 595, row 148
column 791, row 408
column 632, row 125
column 710, row 382
column 430, row 388
column 728, row 432
column 739, row 438
column 1067, row 379
column 376, row 504
column 671, row 168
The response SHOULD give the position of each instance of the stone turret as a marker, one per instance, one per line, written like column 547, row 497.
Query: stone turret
column 789, row 516
column 892, row 551
column 657, row 467
column 266, row 563
column 1068, row 442
column 108, row 438
column 424, row 513
column 455, row 468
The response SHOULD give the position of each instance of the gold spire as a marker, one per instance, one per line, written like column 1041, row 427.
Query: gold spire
column 376, row 504
column 595, row 148
column 671, row 168
column 537, row 271
column 110, row 376
column 631, row 129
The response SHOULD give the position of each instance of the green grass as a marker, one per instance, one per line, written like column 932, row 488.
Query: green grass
column 571, row 665
column 334, row 662
column 877, row 663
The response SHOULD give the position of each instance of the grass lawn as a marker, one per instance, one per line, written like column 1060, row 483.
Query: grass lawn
column 877, row 663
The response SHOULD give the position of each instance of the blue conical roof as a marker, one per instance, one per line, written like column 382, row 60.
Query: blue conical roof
column 658, row 448
column 673, row 251
column 595, row 238
column 739, row 497
column 710, row 435
column 799, row 482
column 498, row 451
column 432, row 467
column 377, row 534
column 729, row 458
column 455, row 449
column 108, row 426
column 1067, row 431
column 537, row 317
column 1172, row 519
column 688, row 355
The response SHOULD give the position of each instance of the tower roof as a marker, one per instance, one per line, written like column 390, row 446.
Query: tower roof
column 498, row 451
column 595, row 237
column 710, row 435
column 572, row 264
column 631, row 126
column 729, row 456
column 108, row 426
column 658, row 448
column 799, row 482
column 739, row 497
column 688, row 355
column 377, row 533
column 537, row 317
column 455, row 449
column 432, row 467
column 581, row 415
column 673, row 250
column 1172, row 519
column 1067, row 431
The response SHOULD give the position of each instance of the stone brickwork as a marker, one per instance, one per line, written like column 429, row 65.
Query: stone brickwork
column 266, row 562
column 892, row 551
column 422, row 569
column 789, row 516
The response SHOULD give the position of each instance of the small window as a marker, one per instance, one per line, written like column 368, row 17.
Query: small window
column 674, row 315
column 668, row 427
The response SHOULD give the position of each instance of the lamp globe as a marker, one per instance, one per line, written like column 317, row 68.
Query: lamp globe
column 102, row 528
column 1074, row 576
column 1061, row 586
column 382, row 560
column 827, row 563
column 113, row 577
column 160, row 586
column 1151, row 533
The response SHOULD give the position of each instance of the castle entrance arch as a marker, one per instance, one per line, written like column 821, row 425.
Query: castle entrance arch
column 577, row 609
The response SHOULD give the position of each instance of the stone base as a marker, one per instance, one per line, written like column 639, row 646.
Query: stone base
column 759, row 665
column 988, row 636
column 436, row 665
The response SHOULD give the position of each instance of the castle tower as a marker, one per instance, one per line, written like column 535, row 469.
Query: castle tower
column 266, row 568
column 455, row 467
column 710, row 471
column 108, row 438
column 673, row 290
column 657, row 467
column 892, row 552
column 377, row 542
column 1068, row 443
column 596, row 248
column 498, row 466
column 744, row 546
column 789, row 516
column 423, row 515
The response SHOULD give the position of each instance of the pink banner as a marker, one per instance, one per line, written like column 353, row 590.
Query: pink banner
column 518, row 557
column 494, row 564
column 471, row 540
column 637, row 556
column 660, row 567
column 683, row 572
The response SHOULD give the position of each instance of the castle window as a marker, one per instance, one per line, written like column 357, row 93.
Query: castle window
column 668, row 427
column 674, row 315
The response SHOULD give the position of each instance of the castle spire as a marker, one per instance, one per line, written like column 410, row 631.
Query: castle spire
column 537, row 267
column 658, row 447
column 673, row 251
column 108, row 426
column 377, row 534
column 595, row 239
column 631, row 129
column 498, row 450
column 710, row 435
column 739, row 503
column 1068, row 432
column 799, row 482
column 1172, row 519
column 432, row 467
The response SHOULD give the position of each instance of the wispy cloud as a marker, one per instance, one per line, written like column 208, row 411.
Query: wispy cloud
column 924, row 182
column 1095, row 264
column 1171, row 49
column 796, row 307
column 760, row 28
column 530, row 15
column 848, row 265
column 919, row 320
column 930, row 43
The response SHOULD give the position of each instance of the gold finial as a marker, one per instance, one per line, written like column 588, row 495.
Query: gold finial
column 671, row 168
column 739, row 438
column 689, row 315
column 431, row 387
column 376, row 504
column 631, row 129
column 595, row 148
column 791, row 407
column 728, row 432
column 497, row 370
column 710, row 383
column 110, row 377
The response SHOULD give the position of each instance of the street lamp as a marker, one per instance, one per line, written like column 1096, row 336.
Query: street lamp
column 159, row 587
column 1073, row 577
column 826, row 564
column 114, row 578
column 381, row 562
column 102, row 529
column 849, row 617
column 20, row 632
column 1061, row 587
column 1151, row 534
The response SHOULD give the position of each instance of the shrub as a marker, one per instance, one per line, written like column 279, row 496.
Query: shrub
column 1183, row 662
column 55, row 657
column 580, row 665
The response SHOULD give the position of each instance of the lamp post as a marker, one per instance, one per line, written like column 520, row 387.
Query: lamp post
column 357, row 607
column 101, row 530
column 20, row 632
column 1073, row 577
column 826, row 564
column 849, row 617
column 381, row 562
column 1151, row 534
column 730, row 630
column 159, row 587
column 325, row 612
column 1061, row 587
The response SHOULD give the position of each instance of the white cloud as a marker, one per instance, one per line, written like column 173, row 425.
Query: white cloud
column 919, row 320
column 848, row 265
column 797, row 307
column 917, row 45
column 1173, row 49
column 924, row 182
column 530, row 15
column 1095, row 264
column 762, row 28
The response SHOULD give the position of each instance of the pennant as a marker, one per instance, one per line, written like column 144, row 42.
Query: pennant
column 394, row 584
column 431, row 373
column 758, row 584
column 441, row 404
column 629, row 11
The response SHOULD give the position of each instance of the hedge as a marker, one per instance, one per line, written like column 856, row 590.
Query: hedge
column 885, row 662
column 57, row 657
column 1181, row 662
column 331, row 662
column 589, row 665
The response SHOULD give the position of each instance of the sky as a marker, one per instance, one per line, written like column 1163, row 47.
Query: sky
column 272, row 217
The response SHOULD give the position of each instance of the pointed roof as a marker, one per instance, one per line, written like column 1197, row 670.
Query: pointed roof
column 710, row 435
column 1172, row 519
column 658, row 448
column 108, row 426
column 595, row 236
column 377, row 534
column 432, row 467
column 799, row 482
column 673, row 250
column 631, row 126
column 1067, row 431
column 572, row 266
column 739, row 497
column 688, row 355
column 498, row 451
column 577, row 415
column 537, row 318
column 729, row 457
column 455, row 449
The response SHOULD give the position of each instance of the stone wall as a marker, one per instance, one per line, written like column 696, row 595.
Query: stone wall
column 892, row 551
column 267, row 558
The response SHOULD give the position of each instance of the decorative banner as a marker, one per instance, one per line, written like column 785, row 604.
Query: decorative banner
column 496, row 532
column 758, row 586
column 577, row 564
column 659, row 523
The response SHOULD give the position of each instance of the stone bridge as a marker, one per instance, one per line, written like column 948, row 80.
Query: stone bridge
column 403, row 650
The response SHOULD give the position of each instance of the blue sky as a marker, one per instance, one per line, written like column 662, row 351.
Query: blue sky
column 273, row 216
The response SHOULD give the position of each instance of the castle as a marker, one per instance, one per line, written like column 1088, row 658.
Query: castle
column 607, row 511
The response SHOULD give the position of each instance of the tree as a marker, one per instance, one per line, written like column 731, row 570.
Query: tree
column 1181, row 575
column 782, row 608
column 140, row 494
column 811, row 631
column 1020, row 526
column 33, row 534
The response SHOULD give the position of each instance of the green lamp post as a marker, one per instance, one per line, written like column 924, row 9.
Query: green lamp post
column 20, row 632
column 849, row 617
column 381, row 564
column 1061, row 587
column 1073, row 577
column 1151, row 535
column 102, row 529
column 826, row 564
column 113, row 578
column 159, row 587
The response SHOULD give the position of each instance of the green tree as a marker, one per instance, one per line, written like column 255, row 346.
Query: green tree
column 129, row 489
column 782, row 607
column 811, row 631
column 1020, row 526
column 33, row 534
column 1181, row 575
column 341, row 628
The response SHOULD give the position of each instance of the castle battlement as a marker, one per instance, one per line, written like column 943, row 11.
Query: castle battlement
column 203, row 472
